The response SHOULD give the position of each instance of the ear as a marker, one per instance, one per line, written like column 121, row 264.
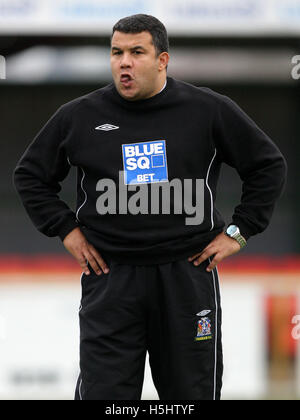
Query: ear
column 163, row 58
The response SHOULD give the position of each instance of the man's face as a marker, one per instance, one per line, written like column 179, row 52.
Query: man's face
column 136, row 70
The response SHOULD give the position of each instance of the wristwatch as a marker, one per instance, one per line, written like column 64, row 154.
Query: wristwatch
column 234, row 232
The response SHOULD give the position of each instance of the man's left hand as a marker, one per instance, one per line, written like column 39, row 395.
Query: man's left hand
column 221, row 247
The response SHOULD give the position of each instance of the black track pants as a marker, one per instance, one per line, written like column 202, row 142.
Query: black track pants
column 172, row 311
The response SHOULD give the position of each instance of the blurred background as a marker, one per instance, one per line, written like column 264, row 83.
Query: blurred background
column 54, row 51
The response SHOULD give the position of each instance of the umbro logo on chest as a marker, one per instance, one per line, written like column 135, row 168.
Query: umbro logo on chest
column 107, row 127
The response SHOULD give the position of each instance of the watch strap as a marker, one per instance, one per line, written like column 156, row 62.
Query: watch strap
column 241, row 240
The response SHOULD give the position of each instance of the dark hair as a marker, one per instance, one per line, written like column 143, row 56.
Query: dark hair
column 139, row 23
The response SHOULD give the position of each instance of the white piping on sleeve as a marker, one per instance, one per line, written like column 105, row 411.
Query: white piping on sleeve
column 79, row 390
column 85, row 194
column 210, row 192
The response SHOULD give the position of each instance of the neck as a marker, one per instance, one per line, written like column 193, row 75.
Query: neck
column 145, row 103
column 160, row 86
column 165, row 84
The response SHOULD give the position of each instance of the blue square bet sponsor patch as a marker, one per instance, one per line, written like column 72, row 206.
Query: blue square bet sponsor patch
column 145, row 162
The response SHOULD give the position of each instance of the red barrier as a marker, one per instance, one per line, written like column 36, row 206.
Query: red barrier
column 51, row 263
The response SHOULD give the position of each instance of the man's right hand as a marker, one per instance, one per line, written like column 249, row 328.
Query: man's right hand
column 76, row 243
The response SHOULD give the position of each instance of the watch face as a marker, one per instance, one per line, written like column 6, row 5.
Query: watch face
column 232, row 230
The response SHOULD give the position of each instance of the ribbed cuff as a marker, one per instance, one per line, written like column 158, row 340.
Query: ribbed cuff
column 67, row 228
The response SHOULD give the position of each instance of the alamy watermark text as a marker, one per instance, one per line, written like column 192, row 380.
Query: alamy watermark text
column 2, row 67
column 296, row 68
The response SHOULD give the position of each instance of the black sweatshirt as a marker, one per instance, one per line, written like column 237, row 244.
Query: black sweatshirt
column 182, row 133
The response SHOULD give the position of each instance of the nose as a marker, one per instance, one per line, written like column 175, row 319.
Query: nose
column 125, row 61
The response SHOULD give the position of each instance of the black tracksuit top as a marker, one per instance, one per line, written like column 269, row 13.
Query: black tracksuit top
column 196, row 129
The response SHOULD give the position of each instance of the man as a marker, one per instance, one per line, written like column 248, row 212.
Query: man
column 147, row 148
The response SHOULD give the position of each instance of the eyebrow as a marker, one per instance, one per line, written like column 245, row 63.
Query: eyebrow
column 133, row 48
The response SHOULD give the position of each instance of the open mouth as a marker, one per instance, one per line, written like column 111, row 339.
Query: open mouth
column 126, row 80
